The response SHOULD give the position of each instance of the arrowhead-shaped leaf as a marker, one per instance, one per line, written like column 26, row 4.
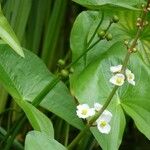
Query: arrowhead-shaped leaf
column 25, row 79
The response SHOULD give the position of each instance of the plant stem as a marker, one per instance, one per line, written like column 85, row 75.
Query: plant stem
column 10, row 141
column 16, row 144
column 90, row 47
column 37, row 100
column 92, row 37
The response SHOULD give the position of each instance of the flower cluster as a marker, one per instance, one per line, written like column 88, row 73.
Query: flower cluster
column 85, row 112
column 118, row 78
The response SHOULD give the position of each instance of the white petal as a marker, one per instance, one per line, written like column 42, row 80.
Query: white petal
column 81, row 115
column 108, row 115
column 106, row 129
column 105, row 116
column 131, row 82
column 97, row 106
column 91, row 112
column 81, row 106
column 115, row 69
column 127, row 71
column 117, row 79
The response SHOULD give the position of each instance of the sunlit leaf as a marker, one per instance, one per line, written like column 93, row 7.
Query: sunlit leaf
column 25, row 78
column 8, row 35
column 39, row 141
column 38, row 120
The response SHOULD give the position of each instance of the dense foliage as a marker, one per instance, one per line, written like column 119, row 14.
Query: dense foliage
column 74, row 75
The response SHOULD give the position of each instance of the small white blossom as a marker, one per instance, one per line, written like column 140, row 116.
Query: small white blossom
column 130, row 77
column 117, row 79
column 103, row 123
column 84, row 111
column 97, row 106
column 115, row 69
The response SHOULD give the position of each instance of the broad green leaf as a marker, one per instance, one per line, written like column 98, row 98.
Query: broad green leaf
column 93, row 74
column 93, row 86
column 38, row 120
column 25, row 78
column 8, row 35
column 97, row 4
column 39, row 141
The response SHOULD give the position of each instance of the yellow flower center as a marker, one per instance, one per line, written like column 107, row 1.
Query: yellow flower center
column 119, row 80
column 130, row 77
column 84, row 111
column 103, row 124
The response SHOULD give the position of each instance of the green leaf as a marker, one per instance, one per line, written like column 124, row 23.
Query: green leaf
column 8, row 35
column 25, row 78
column 93, row 73
column 95, row 4
column 95, row 78
column 39, row 141
column 38, row 120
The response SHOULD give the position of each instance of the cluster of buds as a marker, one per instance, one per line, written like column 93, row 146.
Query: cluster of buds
column 148, row 8
column 128, row 44
column 118, row 78
column 103, row 34
column 102, row 123
column 140, row 23
column 64, row 72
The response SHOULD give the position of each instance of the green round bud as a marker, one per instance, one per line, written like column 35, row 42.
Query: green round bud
column 64, row 73
column 71, row 70
column 109, row 37
column 101, row 33
column 115, row 19
column 61, row 62
column 134, row 49
column 126, row 42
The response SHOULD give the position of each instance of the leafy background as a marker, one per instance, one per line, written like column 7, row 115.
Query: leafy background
column 44, row 27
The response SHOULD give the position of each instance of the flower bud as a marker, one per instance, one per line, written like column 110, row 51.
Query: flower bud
column 101, row 33
column 109, row 37
column 64, row 73
column 126, row 42
column 61, row 62
column 115, row 19
column 134, row 49
column 71, row 70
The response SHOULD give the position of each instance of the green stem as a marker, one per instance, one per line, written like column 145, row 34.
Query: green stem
column 11, row 139
column 66, row 134
column 104, row 106
column 78, row 137
column 92, row 37
column 45, row 91
column 90, row 47
column 16, row 144
column 11, row 130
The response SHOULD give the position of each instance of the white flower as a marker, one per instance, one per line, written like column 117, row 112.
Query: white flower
column 84, row 111
column 103, row 123
column 115, row 69
column 97, row 106
column 130, row 77
column 117, row 79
